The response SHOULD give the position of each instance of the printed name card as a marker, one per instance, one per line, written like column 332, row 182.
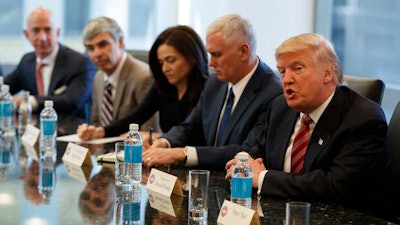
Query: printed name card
column 31, row 135
column 163, row 183
column 81, row 173
column 76, row 155
column 30, row 141
column 232, row 213
column 165, row 204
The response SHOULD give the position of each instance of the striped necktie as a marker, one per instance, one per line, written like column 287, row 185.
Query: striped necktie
column 300, row 144
column 107, row 105
column 225, row 117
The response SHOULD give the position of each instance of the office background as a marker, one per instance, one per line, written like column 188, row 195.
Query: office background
column 365, row 33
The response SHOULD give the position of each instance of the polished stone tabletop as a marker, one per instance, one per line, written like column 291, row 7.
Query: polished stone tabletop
column 87, row 195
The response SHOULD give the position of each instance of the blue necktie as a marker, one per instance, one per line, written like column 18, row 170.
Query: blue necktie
column 225, row 117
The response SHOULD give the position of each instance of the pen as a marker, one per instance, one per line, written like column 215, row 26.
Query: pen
column 150, row 135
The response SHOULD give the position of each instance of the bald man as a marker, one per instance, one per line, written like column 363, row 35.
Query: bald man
column 66, row 75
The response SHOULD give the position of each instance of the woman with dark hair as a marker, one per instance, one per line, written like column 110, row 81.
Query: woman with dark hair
column 179, row 63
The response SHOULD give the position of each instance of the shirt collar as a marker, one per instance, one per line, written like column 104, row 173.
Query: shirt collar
column 51, row 58
column 316, row 114
column 113, row 78
column 239, row 87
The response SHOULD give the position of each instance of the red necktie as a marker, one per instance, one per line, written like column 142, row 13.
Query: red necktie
column 300, row 144
column 39, row 78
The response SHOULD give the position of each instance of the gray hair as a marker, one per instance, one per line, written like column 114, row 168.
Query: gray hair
column 101, row 25
column 323, row 51
column 235, row 29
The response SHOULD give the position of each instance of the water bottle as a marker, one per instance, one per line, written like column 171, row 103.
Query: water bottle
column 6, row 103
column 131, row 206
column 48, row 131
column 241, row 186
column 6, row 150
column 46, row 178
column 133, row 154
column 24, row 113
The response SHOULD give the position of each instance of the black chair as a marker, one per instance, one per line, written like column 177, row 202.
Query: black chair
column 394, row 147
column 142, row 55
column 371, row 88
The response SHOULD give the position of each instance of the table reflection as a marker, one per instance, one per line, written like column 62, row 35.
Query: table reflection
column 87, row 195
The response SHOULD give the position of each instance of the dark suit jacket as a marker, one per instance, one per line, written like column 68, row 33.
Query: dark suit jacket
column 71, row 81
column 200, row 128
column 346, row 159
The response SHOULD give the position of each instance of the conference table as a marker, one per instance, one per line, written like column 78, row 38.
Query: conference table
column 87, row 194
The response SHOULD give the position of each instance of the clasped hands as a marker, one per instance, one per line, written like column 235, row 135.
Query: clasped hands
column 257, row 166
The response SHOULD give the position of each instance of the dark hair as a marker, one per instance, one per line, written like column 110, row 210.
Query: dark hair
column 188, row 43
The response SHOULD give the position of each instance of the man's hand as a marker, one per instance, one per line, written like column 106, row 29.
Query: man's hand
column 163, row 156
column 87, row 132
column 257, row 166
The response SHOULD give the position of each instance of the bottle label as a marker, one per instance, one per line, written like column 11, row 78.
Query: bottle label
column 241, row 187
column 49, row 127
column 7, row 109
column 132, row 153
column 5, row 157
column 131, row 211
column 47, row 179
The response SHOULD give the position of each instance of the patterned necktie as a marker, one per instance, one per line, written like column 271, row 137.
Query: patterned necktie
column 107, row 105
column 225, row 117
column 39, row 78
column 300, row 144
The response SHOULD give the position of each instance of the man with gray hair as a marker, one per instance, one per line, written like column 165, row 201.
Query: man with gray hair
column 121, row 81
column 232, row 103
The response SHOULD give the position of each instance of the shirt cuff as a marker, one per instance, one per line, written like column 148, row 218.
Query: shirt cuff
column 261, row 181
column 34, row 103
column 192, row 158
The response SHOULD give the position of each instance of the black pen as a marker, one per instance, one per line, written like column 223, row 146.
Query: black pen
column 150, row 135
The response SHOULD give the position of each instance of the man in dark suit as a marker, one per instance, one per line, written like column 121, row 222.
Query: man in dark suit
column 231, row 43
column 344, row 157
column 66, row 77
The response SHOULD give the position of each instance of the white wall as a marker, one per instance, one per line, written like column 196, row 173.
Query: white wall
column 274, row 21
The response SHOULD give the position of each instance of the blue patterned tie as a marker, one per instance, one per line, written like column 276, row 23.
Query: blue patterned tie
column 225, row 117
column 107, row 105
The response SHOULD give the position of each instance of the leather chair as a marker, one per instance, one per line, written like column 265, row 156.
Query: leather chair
column 371, row 88
column 142, row 55
column 394, row 148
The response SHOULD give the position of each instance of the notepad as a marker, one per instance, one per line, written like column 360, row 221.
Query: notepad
column 110, row 157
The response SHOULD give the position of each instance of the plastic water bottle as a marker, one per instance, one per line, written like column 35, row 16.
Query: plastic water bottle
column 241, row 186
column 46, row 178
column 131, row 206
column 48, row 131
column 133, row 153
column 24, row 113
column 6, row 103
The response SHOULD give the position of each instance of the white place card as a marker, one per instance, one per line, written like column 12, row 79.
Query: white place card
column 232, row 213
column 165, row 204
column 81, row 173
column 31, row 151
column 31, row 135
column 163, row 183
column 76, row 155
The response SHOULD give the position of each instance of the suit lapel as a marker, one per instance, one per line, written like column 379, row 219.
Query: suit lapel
column 122, row 82
column 219, row 102
column 248, row 96
column 58, row 69
column 322, row 134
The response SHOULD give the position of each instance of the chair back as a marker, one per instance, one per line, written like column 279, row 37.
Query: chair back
column 371, row 88
column 142, row 55
column 394, row 144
